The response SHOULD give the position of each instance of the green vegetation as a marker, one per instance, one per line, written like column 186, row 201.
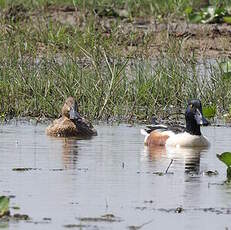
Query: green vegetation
column 106, row 66
column 4, row 206
column 108, row 87
column 226, row 69
column 209, row 111
column 134, row 8
column 210, row 14
column 226, row 159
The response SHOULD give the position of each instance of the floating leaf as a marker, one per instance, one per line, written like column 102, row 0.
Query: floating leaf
column 4, row 205
column 225, row 158
column 209, row 111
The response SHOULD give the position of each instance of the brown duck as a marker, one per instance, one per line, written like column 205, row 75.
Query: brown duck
column 71, row 123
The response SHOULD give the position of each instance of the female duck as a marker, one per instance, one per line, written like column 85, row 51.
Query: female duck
column 71, row 123
column 160, row 135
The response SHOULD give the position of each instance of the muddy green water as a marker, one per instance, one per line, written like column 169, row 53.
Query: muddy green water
column 112, row 173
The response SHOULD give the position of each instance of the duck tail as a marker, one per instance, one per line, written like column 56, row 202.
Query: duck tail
column 143, row 132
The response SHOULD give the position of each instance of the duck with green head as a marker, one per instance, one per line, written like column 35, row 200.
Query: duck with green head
column 189, row 136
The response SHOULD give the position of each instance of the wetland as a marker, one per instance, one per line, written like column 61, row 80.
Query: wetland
column 118, row 68
column 127, row 63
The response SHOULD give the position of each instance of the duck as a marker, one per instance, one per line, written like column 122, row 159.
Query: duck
column 71, row 123
column 179, row 136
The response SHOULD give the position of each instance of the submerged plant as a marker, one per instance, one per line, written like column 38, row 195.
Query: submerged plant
column 226, row 159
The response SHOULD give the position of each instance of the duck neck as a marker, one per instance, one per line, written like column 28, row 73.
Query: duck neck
column 193, row 128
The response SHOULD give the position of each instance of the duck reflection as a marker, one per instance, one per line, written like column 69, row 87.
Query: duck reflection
column 188, row 157
column 70, row 153
column 69, row 148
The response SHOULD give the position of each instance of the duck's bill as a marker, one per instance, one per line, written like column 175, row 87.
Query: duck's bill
column 200, row 119
column 74, row 115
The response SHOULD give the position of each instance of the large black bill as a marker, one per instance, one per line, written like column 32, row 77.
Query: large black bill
column 200, row 119
column 74, row 114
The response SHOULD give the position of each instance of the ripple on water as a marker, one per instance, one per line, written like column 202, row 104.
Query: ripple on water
column 71, row 180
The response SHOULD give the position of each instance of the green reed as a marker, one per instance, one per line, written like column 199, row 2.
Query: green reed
column 42, row 62
column 133, row 7
column 109, row 88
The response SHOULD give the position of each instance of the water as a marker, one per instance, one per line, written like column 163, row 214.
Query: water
column 112, row 173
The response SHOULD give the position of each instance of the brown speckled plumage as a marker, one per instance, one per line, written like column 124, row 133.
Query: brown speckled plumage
column 66, row 127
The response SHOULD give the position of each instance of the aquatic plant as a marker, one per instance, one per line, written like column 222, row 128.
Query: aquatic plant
column 4, row 206
column 108, row 87
column 226, row 159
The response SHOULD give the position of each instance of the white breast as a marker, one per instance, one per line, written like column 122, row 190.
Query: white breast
column 187, row 140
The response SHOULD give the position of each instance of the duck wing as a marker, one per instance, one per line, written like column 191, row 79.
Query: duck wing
column 174, row 128
column 85, row 127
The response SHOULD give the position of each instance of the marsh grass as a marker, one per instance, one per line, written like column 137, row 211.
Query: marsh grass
column 43, row 62
column 110, row 88
column 134, row 8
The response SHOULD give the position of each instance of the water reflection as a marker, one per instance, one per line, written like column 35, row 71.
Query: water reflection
column 70, row 153
column 70, row 149
column 189, row 157
column 133, row 193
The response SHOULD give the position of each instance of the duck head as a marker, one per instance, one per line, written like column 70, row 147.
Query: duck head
column 194, row 117
column 70, row 109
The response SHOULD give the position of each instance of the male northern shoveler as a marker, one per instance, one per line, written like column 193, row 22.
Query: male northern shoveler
column 189, row 136
column 71, row 123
